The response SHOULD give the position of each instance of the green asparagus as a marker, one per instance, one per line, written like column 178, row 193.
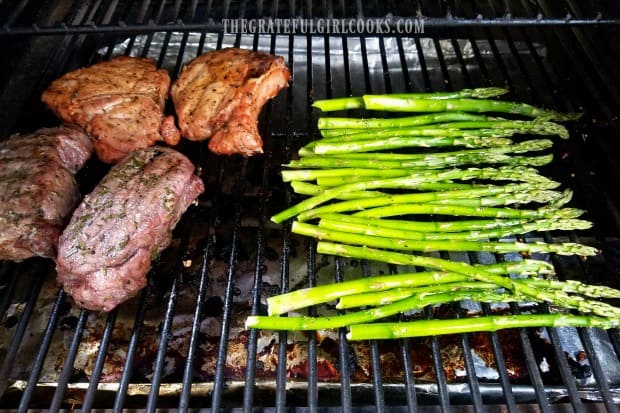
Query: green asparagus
column 567, row 248
column 306, row 297
column 434, row 327
column 327, row 105
column 413, row 104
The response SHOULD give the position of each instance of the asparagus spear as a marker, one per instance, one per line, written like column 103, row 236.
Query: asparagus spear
column 306, row 297
column 517, row 192
column 377, row 331
column 312, row 174
column 412, row 104
column 431, row 226
column 327, row 105
column 306, row 188
column 475, row 273
column 567, row 248
column 521, row 147
column 540, row 196
column 442, row 295
column 431, row 162
column 472, row 235
column 411, row 181
column 455, row 210
column 375, row 298
column 478, row 128
column 327, row 148
column 372, row 123
column 411, row 303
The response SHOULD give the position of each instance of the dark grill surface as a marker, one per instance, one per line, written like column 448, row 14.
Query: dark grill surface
column 180, row 342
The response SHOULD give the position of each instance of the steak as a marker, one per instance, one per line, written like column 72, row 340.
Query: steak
column 105, row 252
column 219, row 95
column 119, row 103
column 37, row 189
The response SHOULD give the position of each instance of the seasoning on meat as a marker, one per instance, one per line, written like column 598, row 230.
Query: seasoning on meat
column 105, row 252
column 37, row 189
column 119, row 103
column 219, row 95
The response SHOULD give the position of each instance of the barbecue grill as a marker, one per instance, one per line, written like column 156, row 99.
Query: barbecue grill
column 180, row 343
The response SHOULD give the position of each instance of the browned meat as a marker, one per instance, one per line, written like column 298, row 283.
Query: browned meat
column 219, row 95
column 105, row 252
column 37, row 189
column 119, row 103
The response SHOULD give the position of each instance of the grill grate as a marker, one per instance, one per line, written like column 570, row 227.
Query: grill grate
column 548, row 54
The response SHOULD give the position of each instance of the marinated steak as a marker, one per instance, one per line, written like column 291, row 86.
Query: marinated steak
column 37, row 189
column 105, row 252
column 119, row 103
column 219, row 95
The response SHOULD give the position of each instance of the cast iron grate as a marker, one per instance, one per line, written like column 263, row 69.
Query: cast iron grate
column 543, row 63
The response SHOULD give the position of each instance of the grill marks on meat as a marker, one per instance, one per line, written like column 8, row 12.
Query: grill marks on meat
column 219, row 95
column 37, row 189
column 105, row 252
column 119, row 103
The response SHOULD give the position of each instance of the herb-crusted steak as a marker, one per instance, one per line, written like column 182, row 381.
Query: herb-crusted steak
column 219, row 95
column 119, row 103
column 105, row 252
column 38, row 191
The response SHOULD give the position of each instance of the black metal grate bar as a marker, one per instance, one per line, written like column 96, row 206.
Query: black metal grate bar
column 39, row 359
column 280, row 398
column 20, row 331
column 132, row 348
column 248, row 394
column 313, row 394
column 188, row 371
column 67, row 368
column 343, row 354
column 409, row 381
column 91, row 392
column 375, row 361
column 219, row 380
column 151, row 404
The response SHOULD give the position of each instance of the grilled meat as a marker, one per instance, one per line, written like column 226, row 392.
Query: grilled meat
column 105, row 252
column 38, row 191
column 219, row 95
column 119, row 103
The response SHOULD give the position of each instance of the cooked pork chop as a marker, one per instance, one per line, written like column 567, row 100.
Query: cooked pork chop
column 219, row 95
column 119, row 103
column 105, row 252
column 38, row 191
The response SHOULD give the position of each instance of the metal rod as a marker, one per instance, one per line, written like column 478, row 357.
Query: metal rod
column 132, row 348
column 343, row 352
column 18, row 335
column 250, row 378
column 433, row 23
column 218, row 385
column 280, row 402
column 151, row 404
column 67, row 367
column 44, row 346
column 93, row 384
column 313, row 392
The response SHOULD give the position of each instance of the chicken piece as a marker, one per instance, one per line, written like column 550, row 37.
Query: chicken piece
column 219, row 95
column 105, row 252
column 38, row 191
column 119, row 103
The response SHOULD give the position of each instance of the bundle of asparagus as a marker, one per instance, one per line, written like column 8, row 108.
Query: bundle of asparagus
column 367, row 187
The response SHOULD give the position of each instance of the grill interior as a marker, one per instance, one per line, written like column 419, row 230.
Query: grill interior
column 180, row 342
